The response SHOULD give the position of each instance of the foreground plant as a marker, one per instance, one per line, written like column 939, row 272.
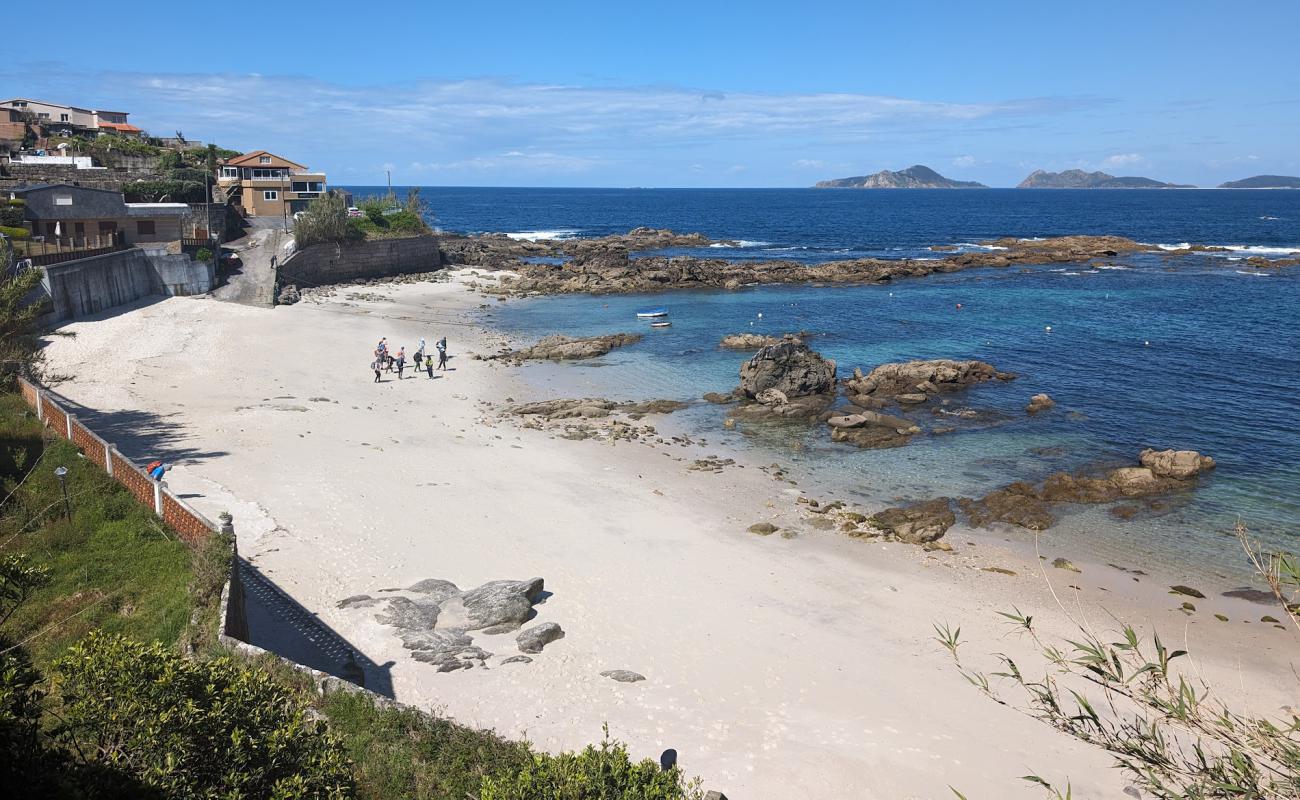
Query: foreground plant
column 1166, row 731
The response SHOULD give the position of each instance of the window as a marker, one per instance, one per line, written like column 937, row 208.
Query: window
column 264, row 174
column 271, row 195
column 62, row 199
column 144, row 227
column 264, row 159
column 107, row 226
column 80, row 228
column 308, row 186
column 63, row 118
column 230, row 172
column 20, row 104
column 42, row 115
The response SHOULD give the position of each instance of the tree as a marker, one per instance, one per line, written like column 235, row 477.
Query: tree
column 26, row 761
column 192, row 729
column 19, row 353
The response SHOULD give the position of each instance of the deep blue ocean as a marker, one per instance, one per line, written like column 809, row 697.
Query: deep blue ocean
column 1200, row 352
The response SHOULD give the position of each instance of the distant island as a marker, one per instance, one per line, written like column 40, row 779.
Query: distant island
column 1078, row 179
column 914, row 177
column 1264, row 182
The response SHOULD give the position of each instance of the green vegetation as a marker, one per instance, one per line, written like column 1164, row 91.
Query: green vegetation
column 15, row 233
column 1162, row 726
column 11, row 213
column 19, row 353
column 326, row 219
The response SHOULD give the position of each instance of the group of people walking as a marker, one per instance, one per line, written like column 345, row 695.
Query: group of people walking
column 385, row 361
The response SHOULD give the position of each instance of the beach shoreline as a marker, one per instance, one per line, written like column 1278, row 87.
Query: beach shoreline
column 800, row 667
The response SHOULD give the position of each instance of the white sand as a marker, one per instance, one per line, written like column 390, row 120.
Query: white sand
column 776, row 668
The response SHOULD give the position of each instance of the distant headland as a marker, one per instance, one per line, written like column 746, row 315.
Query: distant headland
column 1264, row 182
column 914, row 177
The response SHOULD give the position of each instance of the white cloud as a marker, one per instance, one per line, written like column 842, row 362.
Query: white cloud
column 1123, row 160
column 810, row 163
column 964, row 161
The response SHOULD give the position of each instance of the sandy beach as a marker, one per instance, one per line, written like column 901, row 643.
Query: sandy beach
column 801, row 667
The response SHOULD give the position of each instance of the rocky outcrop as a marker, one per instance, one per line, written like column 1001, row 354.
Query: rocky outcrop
column 1264, row 182
column 537, row 637
column 602, row 266
column 567, row 348
column 593, row 408
column 1178, row 464
column 754, row 341
column 914, row 382
column 434, row 618
column 1029, row 506
column 790, row 368
column 916, row 524
column 873, row 430
column 1039, row 402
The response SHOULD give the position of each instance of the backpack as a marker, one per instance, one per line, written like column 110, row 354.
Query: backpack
column 151, row 466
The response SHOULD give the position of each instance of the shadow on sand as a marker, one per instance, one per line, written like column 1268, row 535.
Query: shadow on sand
column 139, row 435
column 278, row 623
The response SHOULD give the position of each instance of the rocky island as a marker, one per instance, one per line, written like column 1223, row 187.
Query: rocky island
column 1264, row 182
column 1078, row 179
column 914, row 177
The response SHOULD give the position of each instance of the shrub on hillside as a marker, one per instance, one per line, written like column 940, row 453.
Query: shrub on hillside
column 596, row 773
column 192, row 729
column 326, row 220
column 15, row 232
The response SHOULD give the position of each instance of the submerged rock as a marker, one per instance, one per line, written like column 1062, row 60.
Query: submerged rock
column 1029, row 506
column 753, row 341
column 1039, row 402
column 623, row 675
column 763, row 528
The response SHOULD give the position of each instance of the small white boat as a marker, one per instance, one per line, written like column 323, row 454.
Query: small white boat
column 661, row 324
column 653, row 312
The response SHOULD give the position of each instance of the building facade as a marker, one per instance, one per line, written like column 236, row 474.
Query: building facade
column 79, row 217
column 77, row 119
column 263, row 184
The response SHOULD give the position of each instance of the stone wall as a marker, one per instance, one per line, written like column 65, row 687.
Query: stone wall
column 91, row 285
column 324, row 264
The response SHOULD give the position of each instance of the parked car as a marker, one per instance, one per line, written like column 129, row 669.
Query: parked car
column 355, row 212
column 297, row 215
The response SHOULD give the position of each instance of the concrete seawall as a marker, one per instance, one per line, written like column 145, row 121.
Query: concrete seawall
column 91, row 285
column 324, row 264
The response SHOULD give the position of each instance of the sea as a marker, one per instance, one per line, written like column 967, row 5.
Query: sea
column 1199, row 352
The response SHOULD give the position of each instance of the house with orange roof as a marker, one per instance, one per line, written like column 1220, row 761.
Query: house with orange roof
column 264, row 184
column 73, row 117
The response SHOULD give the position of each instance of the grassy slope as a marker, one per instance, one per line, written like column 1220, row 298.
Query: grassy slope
column 114, row 566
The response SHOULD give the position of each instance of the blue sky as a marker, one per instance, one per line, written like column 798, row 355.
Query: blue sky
column 694, row 93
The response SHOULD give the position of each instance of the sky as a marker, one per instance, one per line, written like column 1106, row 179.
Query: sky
column 694, row 94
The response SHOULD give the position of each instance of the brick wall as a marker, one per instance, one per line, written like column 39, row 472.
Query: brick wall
column 324, row 264
column 54, row 416
column 130, row 476
column 89, row 443
column 192, row 526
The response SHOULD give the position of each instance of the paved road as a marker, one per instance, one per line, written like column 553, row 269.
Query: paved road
column 254, row 283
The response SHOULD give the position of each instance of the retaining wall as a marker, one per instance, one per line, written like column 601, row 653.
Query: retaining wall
column 324, row 264
column 90, row 285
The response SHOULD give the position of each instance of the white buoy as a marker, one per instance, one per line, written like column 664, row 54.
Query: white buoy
column 1146, row 344
column 1048, row 329
column 760, row 315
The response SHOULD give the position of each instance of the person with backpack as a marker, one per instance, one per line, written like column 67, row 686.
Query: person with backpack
column 156, row 470
column 400, row 361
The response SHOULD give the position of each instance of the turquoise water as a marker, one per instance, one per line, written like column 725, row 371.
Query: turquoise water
column 1201, row 358
column 1191, row 353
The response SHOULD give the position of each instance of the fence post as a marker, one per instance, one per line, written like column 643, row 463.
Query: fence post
column 69, row 419
column 157, row 497
column 108, row 458
column 40, row 411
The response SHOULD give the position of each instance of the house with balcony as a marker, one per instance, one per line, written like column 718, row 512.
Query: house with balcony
column 263, row 184
column 74, row 118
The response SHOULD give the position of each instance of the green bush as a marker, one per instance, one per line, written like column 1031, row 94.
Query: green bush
column 597, row 773
column 11, row 216
column 326, row 220
column 203, row 255
column 164, row 190
column 192, row 729
column 15, row 233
